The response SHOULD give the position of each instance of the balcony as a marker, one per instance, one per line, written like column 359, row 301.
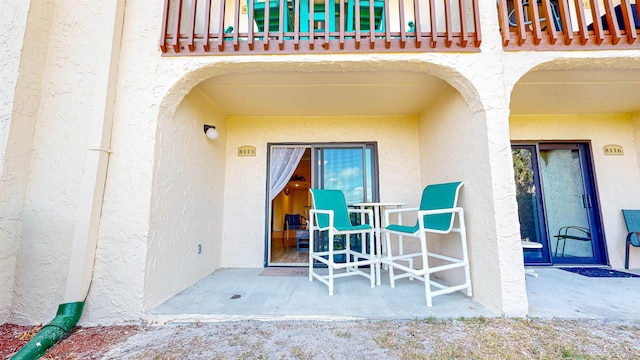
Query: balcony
column 569, row 25
column 221, row 27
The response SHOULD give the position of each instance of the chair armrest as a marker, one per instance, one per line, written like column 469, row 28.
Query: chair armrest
column 391, row 211
column 440, row 211
column 400, row 211
column 313, row 224
column 367, row 212
column 630, row 238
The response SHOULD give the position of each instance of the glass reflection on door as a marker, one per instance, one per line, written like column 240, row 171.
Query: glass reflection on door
column 567, row 204
column 529, row 201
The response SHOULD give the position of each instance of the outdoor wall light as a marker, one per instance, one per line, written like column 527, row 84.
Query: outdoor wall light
column 211, row 131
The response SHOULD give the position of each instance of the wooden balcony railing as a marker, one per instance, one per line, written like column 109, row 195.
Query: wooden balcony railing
column 569, row 24
column 221, row 27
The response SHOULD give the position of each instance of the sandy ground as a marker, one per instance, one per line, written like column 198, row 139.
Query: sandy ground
column 478, row 338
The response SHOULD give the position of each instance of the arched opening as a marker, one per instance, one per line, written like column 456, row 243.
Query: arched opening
column 572, row 129
column 211, row 201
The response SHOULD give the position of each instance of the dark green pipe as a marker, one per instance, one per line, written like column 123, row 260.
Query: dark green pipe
column 61, row 325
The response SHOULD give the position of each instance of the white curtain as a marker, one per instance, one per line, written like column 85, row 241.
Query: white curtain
column 284, row 162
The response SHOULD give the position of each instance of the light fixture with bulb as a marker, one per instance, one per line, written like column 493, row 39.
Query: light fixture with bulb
column 211, row 132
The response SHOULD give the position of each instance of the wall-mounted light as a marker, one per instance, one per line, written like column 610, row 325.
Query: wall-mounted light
column 211, row 131
column 287, row 191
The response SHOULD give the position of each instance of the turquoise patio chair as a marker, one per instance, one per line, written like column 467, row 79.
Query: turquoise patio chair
column 632, row 219
column 365, row 11
column 274, row 15
column 329, row 214
column 436, row 214
column 319, row 15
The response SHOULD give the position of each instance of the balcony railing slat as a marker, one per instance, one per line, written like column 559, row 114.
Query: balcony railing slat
column 551, row 22
column 447, row 19
column 629, row 25
column 520, row 21
column 612, row 21
column 416, row 13
column 434, row 27
column 207, row 24
column 535, row 21
column 192, row 25
column 476, row 23
column 597, row 25
column 464, row 38
column 566, row 21
column 176, row 27
column 165, row 24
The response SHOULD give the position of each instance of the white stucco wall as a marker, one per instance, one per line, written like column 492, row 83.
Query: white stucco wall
column 66, row 91
column 245, row 190
column 185, row 236
column 13, row 177
column 617, row 177
column 454, row 148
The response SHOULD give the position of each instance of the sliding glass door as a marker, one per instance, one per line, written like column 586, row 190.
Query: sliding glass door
column 557, row 203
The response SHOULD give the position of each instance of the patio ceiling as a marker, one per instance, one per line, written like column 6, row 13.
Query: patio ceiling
column 323, row 94
column 586, row 91
column 548, row 91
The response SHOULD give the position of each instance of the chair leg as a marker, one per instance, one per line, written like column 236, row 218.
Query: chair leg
column 392, row 281
column 311, row 248
column 331, row 278
column 427, row 290
column 626, row 255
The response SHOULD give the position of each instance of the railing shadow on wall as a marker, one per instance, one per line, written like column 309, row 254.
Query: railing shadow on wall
column 221, row 27
column 569, row 24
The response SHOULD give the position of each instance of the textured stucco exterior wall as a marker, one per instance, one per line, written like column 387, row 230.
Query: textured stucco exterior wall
column 245, row 191
column 617, row 177
column 57, row 159
column 454, row 147
column 185, row 236
column 13, row 177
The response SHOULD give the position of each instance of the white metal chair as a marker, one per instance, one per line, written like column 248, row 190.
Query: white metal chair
column 330, row 215
column 436, row 214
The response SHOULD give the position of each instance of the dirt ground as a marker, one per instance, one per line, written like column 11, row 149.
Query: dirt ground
column 476, row 338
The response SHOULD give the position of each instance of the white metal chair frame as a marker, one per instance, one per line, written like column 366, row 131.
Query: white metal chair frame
column 351, row 266
column 424, row 274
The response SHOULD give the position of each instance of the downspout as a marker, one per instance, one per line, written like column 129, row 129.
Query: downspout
column 91, row 196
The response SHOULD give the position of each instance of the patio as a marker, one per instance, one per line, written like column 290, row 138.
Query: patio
column 234, row 294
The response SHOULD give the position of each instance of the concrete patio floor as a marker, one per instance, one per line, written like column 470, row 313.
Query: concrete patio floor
column 235, row 294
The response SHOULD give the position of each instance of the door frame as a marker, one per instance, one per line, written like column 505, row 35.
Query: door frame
column 375, row 186
column 589, row 181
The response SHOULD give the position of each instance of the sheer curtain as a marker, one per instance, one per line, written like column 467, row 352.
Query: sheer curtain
column 283, row 163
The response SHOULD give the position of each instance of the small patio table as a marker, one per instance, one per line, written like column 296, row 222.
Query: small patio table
column 378, row 208
column 526, row 244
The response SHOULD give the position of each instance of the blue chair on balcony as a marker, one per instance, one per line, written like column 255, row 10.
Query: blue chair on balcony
column 365, row 12
column 274, row 15
column 555, row 17
column 319, row 15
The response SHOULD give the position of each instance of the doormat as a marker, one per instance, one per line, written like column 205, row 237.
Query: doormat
column 285, row 271
column 599, row 272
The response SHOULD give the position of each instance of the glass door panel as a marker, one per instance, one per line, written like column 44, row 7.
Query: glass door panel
column 349, row 168
column 529, row 201
column 568, row 202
